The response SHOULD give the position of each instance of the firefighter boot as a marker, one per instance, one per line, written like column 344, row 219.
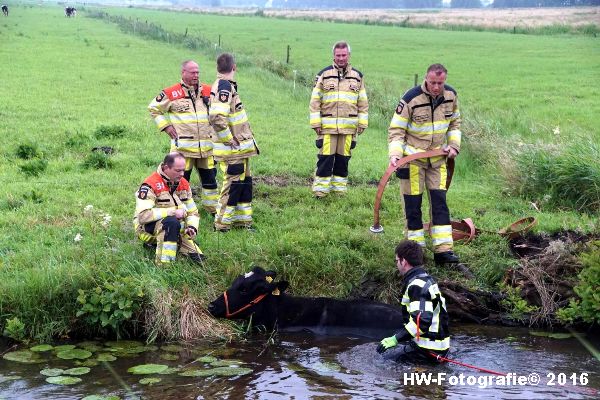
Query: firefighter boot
column 447, row 257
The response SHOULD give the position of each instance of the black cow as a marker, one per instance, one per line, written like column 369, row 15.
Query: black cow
column 5, row 10
column 256, row 295
column 70, row 12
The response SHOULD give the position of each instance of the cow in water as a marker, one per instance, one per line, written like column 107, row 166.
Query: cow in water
column 258, row 297
column 70, row 12
column 5, row 10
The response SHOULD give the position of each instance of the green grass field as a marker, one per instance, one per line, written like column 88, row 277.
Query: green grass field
column 64, row 78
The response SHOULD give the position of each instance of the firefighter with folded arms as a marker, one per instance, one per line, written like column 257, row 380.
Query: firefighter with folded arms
column 425, row 334
column 166, row 215
column 339, row 111
column 181, row 111
column 234, row 145
column 427, row 118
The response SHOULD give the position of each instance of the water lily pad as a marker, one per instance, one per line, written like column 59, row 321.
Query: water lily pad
column 124, row 344
column 221, row 371
column 173, row 348
column 87, row 363
column 63, row 380
column 129, row 351
column 207, row 359
column 169, row 356
column 77, row 371
column 52, row 371
column 74, row 353
column 9, row 378
column 64, row 347
column 106, row 357
column 41, row 348
column 226, row 363
column 170, row 370
column 23, row 356
column 151, row 347
column 560, row 335
column 149, row 381
column 90, row 345
column 147, row 369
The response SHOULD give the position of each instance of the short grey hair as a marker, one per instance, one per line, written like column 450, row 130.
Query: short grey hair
column 186, row 62
column 342, row 44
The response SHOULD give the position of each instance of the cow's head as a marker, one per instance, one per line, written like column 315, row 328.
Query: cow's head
column 246, row 292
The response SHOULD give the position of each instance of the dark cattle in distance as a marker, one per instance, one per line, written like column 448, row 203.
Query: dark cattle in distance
column 70, row 12
column 5, row 10
column 258, row 297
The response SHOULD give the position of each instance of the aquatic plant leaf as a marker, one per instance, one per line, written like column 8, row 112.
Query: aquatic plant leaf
column 63, row 380
column 124, row 344
column 207, row 359
column 77, row 371
column 52, row 371
column 221, row 371
column 147, row 369
column 226, row 363
column 41, row 348
column 150, row 381
column 74, row 353
column 87, row 363
column 9, row 378
column 173, row 348
column 170, row 370
column 63, row 347
column 23, row 356
column 560, row 335
column 169, row 356
column 106, row 357
column 90, row 345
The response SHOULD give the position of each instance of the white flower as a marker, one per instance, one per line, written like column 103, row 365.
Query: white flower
column 556, row 130
column 78, row 237
column 106, row 220
column 88, row 209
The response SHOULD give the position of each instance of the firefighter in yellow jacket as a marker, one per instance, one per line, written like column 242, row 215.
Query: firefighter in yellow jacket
column 339, row 111
column 427, row 118
column 165, row 212
column 181, row 111
column 234, row 145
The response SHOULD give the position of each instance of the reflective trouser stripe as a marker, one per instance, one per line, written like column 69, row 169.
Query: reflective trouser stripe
column 431, row 344
column 243, row 213
column 210, row 198
column 339, row 183
column 168, row 252
column 416, row 236
column 321, row 184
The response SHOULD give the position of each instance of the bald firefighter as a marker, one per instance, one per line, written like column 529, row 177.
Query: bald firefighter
column 165, row 212
column 425, row 333
column 234, row 145
column 427, row 118
column 339, row 111
column 181, row 111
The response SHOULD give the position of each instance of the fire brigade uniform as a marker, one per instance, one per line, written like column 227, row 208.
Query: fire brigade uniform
column 338, row 105
column 425, row 319
column 423, row 123
column 229, row 120
column 186, row 109
column 154, row 221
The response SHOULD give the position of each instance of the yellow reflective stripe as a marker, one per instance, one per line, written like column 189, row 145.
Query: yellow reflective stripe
column 227, row 215
column 321, row 184
column 193, row 220
column 315, row 118
column 398, row 122
column 414, row 306
column 326, row 149
column 363, row 119
column 161, row 121
column 160, row 213
column 219, row 109
column 347, row 97
column 396, row 148
column 454, row 136
column 443, row 176
column 414, row 179
column 441, row 234
column 362, row 94
column 416, row 236
column 238, row 118
column 347, row 144
column 225, row 135
column 316, row 93
column 411, row 327
column 430, row 344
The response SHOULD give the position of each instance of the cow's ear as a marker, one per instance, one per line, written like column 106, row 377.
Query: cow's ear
column 271, row 274
column 258, row 270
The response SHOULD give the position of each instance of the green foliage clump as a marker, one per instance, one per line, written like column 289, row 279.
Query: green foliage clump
column 517, row 307
column 111, row 305
column 27, row 151
column 110, row 131
column 586, row 309
column 34, row 167
column 98, row 160
column 15, row 329
column 568, row 179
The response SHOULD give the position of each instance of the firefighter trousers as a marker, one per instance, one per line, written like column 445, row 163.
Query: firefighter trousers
column 332, row 163
column 235, row 202
column 208, row 180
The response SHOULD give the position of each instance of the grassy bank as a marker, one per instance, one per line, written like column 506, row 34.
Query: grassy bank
column 72, row 76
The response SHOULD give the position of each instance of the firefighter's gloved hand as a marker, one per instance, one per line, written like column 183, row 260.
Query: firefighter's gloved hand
column 387, row 343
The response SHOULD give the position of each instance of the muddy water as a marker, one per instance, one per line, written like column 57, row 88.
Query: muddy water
column 302, row 366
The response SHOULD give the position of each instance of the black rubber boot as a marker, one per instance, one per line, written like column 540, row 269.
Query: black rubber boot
column 197, row 258
column 447, row 257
